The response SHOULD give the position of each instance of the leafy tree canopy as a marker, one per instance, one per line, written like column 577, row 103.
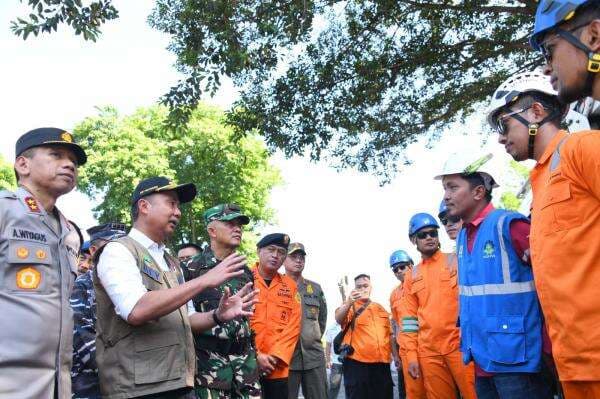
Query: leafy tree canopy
column 7, row 175
column 351, row 81
column 122, row 150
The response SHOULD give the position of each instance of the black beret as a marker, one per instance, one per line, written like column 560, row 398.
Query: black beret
column 50, row 136
column 278, row 239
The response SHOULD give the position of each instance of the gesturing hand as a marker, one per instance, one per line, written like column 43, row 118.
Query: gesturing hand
column 229, row 267
column 238, row 305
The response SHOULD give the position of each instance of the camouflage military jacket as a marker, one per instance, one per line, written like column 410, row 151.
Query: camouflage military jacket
column 208, row 299
column 84, row 373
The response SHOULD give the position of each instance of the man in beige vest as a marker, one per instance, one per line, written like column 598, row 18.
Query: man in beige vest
column 38, row 262
column 145, row 317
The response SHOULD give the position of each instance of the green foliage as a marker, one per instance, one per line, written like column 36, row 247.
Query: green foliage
column 351, row 81
column 46, row 15
column 510, row 201
column 7, row 175
column 124, row 150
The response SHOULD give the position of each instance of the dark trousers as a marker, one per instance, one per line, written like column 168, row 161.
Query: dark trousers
column 335, row 380
column 401, row 387
column 313, row 382
column 367, row 380
column 274, row 389
column 512, row 386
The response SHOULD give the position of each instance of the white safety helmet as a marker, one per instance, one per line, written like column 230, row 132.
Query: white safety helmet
column 516, row 85
column 468, row 163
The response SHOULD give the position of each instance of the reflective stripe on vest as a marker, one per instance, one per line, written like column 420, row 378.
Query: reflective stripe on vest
column 507, row 286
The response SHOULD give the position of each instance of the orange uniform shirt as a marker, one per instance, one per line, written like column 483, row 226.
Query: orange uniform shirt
column 371, row 335
column 398, row 306
column 276, row 320
column 565, row 250
column 432, row 297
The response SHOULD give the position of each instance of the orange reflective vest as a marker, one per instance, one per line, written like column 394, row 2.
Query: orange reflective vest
column 276, row 320
column 429, row 326
column 565, row 250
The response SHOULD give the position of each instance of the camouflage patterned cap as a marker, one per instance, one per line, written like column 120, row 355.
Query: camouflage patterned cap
column 296, row 247
column 225, row 212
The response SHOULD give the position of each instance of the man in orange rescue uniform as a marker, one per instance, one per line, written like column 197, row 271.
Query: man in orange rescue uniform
column 565, row 221
column 401, row 264
column 366, row 365
column 432, row 337
column 277, row 316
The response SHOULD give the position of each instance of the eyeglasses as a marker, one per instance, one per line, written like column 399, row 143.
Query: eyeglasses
column 547, row 47
column 449, row 220
column 424, row 234
column 400, row 266
column 500, row 125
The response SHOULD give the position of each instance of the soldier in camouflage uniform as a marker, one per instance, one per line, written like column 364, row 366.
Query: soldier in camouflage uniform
column 226, row 353
column 84, row 373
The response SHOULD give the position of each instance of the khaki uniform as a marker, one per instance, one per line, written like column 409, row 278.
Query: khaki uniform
column 308, row 362
column 148, row 359
column 38, row 265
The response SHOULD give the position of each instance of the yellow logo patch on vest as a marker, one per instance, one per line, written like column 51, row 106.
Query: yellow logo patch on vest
column 22, row 253
column 28, row 278
column 66, row 136
column 298, row 298
column 40, row 254
column 309, row 289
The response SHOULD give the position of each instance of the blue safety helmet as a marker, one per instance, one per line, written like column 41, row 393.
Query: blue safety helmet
column 551, row 13
column 85, row 247
column 443, row 209
column 420, row 220
column 400, row 256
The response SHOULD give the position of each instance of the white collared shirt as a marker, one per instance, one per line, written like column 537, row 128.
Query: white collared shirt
column 120, row 276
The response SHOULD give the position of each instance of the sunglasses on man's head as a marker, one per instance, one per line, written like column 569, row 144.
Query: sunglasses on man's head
column 449, row 220
column 421, row 235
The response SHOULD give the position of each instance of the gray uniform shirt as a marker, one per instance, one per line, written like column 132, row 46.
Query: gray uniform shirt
column 37, row 269
column 309, row 352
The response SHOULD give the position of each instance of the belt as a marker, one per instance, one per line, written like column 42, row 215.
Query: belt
column 234, row 346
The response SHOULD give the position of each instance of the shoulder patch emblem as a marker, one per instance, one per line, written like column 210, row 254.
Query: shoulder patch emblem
column 28, row 278
column 32, row 204
column 309, row 289
column 298, row 297
column 22, row 253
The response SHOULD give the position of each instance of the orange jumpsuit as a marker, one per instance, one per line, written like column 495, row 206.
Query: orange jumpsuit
column 565, row 252
column 371, row 335
column 429, row 328
column 414, row 387
column 276, row 320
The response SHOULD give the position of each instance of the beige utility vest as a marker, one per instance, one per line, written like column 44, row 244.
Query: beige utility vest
column 37, row 270
column 141, row 360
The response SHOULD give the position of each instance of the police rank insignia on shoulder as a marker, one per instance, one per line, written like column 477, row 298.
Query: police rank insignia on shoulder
column 150, row 272
column 32, row 204
column 28, row 278
column 309, row 289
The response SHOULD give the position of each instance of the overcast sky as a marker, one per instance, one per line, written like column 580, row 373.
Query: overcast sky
column 349, row 224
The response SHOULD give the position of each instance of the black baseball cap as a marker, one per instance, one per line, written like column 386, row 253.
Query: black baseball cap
column 185, row 192
column 106, row 231
column 50, row 136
